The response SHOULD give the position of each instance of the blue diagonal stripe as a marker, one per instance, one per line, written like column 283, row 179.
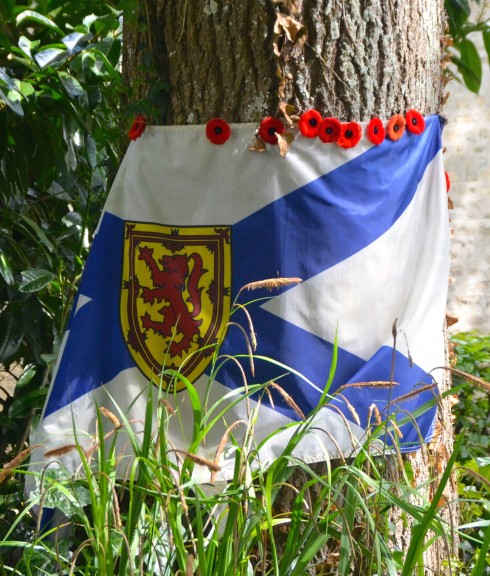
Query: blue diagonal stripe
column 305, row 233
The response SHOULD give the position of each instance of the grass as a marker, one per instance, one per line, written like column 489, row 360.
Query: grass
column 337, row 518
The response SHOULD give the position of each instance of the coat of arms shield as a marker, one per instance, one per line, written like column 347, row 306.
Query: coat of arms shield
column 175, row 297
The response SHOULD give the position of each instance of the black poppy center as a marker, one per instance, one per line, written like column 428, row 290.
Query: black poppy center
column 329, row 130
column 349, row 133
column 218, row 130
column 313, row 122
column 376, row 129
column 396, row 127
column 414, row 121
column 272, row 131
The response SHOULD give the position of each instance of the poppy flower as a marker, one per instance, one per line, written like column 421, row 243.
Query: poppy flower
column 376, row 131
column 137, row 128
column 396, row 127
column 309, row 122
column 268, row 129
column 329, row 130
column 350, row 135
column 448, row 182
column 218, row 131
column 415, row 122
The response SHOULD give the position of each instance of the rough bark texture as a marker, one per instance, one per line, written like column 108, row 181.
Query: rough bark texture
column 352, row 60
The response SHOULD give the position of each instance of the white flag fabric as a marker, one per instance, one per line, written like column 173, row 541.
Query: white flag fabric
column 188, row 223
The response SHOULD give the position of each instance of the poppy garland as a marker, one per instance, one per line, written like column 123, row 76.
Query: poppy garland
column 312, row 125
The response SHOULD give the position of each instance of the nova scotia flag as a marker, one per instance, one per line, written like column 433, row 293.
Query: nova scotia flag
column 187, row 224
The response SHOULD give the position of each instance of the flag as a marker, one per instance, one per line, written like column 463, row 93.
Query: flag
column 188, row 224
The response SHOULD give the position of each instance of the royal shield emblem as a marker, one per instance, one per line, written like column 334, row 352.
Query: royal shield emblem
column 175, row 297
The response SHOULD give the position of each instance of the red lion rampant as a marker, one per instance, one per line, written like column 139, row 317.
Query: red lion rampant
column 169, row 283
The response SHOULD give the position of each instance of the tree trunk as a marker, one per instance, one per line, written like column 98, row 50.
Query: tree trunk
column 243, row 60
column 350, row 59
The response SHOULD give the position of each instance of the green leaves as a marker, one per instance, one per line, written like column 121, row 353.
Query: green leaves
column 10, row 93
column 464, row 53
column 35, row 279
column 11, row 335
column 59, row 142
column 37, row 18
column 469, row 65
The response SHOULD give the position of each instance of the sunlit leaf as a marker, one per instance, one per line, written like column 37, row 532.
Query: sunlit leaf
column 11, row 335
column 26, row 89
column 6, row 80
column 33, row 16
column 6, row 270
column 35, row 279
column 50, row 57
column 72, row 219
column 76, row 41
column 12, row 102
column 25, row 45
column 26, row 377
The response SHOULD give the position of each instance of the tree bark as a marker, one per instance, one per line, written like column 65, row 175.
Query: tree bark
column 350, row 59
column 243, row 60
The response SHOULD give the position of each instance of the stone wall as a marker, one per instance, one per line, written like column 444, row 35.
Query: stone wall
column 467, row 160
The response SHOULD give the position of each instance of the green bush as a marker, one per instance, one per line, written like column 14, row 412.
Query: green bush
column 59, row 141
column 472, row 427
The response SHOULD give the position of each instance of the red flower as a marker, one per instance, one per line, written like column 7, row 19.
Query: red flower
column 350, row 135
column 376, row 131
column 329, row 130
column 448, row 182
column 396, row 127
column 218, row 131
column 268, row 129
column 137, row 128
column 415, row 122
column 309, row 122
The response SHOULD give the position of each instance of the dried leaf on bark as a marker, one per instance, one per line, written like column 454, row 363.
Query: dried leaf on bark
column 288, row 111
column 293, row 29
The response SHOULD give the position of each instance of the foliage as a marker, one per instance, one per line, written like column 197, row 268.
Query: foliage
column 472, row 412
column 464, row 54
column 59, row 90
column 472, row 427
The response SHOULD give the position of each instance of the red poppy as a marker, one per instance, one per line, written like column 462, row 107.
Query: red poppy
column 137, row 128
column 376, row 131
column 448, row 182
column 415, row 122
column 350, row 135
column 218, row 131
column 309, row 122
column 396, row 127
column 268, row 129
column 329, row 130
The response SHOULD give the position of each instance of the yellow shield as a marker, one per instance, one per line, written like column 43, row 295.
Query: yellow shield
column 175, row 296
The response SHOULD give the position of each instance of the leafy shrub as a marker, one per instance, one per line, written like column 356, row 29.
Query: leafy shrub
column 59, row 140
column 463, row 53
column 472, row 426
